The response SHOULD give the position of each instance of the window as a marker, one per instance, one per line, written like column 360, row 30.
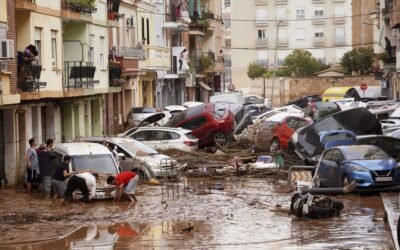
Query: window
column 195, row 123
column 339, row 54
column 281, row 13
column 142, row 136
column 339, row 33
column 148, row 31
column 54, row 48
column 101, row 58
column 282, row 54
column 174, row 136
column 318, row 33
column 261, row 15
column 329, row 156
column 160, row 136
column 300, row 13
column 319, row 54
column 38, row 44
column 261, row 34
column 300, row 34
column 339, row 11
column 262, row 57
column 318, row 12
column 91, row 48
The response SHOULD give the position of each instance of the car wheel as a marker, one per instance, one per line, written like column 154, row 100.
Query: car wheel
column 345, row 180
column 219, row 138
column 274, row 145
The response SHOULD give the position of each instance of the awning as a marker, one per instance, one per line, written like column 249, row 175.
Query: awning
column 204, row 86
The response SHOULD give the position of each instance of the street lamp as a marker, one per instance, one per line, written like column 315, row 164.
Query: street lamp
column 273, row 72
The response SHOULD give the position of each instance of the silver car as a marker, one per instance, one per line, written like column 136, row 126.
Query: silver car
column 134, row 155
column 138, row 114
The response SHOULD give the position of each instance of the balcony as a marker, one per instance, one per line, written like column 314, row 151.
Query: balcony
column 78, row 75
column 131, row 52
column 261, row 2
column 263, row 62
column 29, row 75
column 77, row 10
column 29, row 5
column 394, row 15
column 318, row 20
column 319, row 41
column 339, row 1
column 340, row 40
column 114, row 74
column 282, row 42
column 339, row 19
column 318, row 1
column 281, row 2
column 261, row 42
column 113, row 10
column 157, row 57
column 203, row 61
column 199, row 27
column 261, row 21
column 207, row 15
column 128, row 66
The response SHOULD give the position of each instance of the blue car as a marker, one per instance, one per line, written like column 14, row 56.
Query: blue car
column 368, row 165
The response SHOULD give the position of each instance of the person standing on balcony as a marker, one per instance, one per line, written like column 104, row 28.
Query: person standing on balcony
column 183, row 60
column 388, row 46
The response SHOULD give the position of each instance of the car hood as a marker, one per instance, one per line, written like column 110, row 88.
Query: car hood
column 375, row 165
column 156, row 159
column 359, row 120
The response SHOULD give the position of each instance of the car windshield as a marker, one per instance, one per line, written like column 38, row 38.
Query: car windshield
column 138, row 149
column 102, row 164
column 365, row 153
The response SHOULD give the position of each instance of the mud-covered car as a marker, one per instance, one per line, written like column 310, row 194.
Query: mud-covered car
column 134, row 155
column 243, row 117
column 90, row 157
column 318, row 110
column 306, row 143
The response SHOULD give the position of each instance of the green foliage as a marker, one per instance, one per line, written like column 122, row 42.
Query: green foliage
column 301, row 63
column 82, row 3
column 255, row 70
column 207, row 61
column 358, row 61
column 384, row 56
column 203, row 23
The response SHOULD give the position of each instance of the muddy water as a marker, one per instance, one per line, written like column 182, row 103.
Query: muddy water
column 249, row 213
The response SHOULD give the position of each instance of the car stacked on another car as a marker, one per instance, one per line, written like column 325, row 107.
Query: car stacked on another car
column 138, row 114
column 242, row 117
column 162, row 138
column 211, row 123
column 305, row 101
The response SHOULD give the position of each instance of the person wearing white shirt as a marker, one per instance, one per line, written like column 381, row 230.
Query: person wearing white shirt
column 83, row 182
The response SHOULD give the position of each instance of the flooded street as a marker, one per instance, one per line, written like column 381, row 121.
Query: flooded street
column 248, row 213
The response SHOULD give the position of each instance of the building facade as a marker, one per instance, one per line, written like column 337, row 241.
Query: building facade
column 274, row 28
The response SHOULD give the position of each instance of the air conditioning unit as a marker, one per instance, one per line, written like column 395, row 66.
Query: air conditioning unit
column 6, row 49
column 130, row 22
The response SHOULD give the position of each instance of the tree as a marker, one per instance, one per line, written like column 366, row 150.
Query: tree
column 255, row 70
column 301, row 63
column 358, row 61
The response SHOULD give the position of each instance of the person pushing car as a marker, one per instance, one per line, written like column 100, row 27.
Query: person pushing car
column 125, row 183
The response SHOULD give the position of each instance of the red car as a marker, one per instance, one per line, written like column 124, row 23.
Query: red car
column 209, row 122
column 284, row 125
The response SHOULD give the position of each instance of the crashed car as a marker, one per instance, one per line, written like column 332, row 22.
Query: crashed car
column 133, row 154
column 138, row 114
column 283, row 125
column 306, row 143
column 90, row 157
column 318, row 110
column 388, row 144
column 368, row 165
column 305, row 101
column 242, row 117
column 211, row 123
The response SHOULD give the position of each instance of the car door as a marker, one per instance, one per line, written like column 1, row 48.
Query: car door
column 286, row 131
column 144, row 137
column 335, row 169
column 323, row 170
column 160, row 139
column 196, row 125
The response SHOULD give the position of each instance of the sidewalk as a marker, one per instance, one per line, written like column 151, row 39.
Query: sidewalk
column 391, row 204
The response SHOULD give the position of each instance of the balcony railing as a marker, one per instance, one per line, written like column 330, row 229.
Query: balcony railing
column 79, row 74
column 261, row 42
column 29, row 74
column 129, row 66
column 131, row 52
column 26, row 5
column 339, row 19
column 318, row 19
column 85, row 7
column 261, row 21
column 318, row 1
column 113, row 9
column 320, row 40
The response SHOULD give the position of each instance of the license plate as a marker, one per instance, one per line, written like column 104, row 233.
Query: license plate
column 299, row 155
column 383, row 179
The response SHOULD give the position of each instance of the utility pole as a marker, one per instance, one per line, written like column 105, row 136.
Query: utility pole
column 273, row 72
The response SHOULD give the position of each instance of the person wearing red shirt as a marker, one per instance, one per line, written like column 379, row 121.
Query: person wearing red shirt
column 125, row 183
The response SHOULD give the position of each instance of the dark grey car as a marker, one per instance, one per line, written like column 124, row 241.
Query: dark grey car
column 243, row 117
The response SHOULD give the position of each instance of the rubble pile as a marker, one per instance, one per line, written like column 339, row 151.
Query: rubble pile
column 259, row 134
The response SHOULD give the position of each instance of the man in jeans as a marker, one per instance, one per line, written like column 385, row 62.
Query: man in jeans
column 61, row 173
column 84, row 182
column 32, row 165
column 46, row 166
column 125, row 183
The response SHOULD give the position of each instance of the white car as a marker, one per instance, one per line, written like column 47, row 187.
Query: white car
column 391, row 122
column 287, row 109
column 165, row 138
column 192, row 104
column 173, row 109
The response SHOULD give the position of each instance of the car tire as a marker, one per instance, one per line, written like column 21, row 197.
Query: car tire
column 345, row 180
column 220, row 138
column 275, row 145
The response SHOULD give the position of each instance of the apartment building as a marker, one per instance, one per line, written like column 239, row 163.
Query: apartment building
column 274, row 28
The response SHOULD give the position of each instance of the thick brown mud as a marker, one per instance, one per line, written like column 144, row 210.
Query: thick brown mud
column 248, row 213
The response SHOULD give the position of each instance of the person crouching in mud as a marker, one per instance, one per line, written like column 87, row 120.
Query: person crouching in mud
column 83, row 182
column 125, row 183
column 314, row 207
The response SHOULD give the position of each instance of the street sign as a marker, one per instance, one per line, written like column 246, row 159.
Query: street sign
column 363, row 86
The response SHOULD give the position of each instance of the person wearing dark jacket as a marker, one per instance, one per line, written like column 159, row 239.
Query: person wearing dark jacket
column 46, row 166
column 61, row 173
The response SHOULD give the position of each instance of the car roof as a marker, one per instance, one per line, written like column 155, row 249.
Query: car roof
column 164, row 128
column 111, row 139
column 355, row 146
column 81, row 148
